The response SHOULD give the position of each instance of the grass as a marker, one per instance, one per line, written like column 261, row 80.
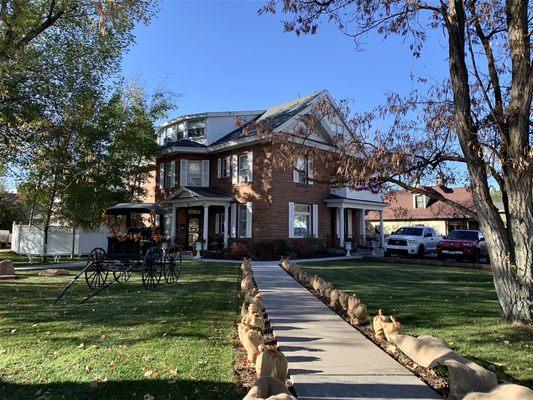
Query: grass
column 182, row 333
column 21, row 260
column 457, row 304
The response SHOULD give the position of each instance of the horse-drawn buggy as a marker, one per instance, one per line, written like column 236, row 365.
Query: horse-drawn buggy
column 140, row 247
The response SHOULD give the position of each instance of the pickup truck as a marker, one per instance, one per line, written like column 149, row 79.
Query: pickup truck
column 412, row 240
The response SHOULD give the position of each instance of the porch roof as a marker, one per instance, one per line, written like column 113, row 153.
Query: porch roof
column 333, row 200
column 185, row 195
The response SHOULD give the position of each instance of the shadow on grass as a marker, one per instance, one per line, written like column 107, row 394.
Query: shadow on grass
column 127, row 390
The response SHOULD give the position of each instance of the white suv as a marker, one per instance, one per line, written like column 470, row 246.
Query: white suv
column 412, row 240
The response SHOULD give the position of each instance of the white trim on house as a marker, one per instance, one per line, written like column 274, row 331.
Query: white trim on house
column 291, row 220
column 315, row 220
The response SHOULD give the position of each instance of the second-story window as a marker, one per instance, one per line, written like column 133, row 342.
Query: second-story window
column 196, row 128
column 242, row 167
column 223, row 167
column 194, row 173
column 303, row 171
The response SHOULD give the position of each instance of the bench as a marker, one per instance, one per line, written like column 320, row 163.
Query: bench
column 56, row 255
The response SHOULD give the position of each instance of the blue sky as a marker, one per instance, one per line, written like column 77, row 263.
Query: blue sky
column 221, row 55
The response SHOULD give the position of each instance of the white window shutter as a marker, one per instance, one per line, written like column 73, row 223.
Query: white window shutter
column 249, row 219
column 173, row 174
column 291, row 220
column 250, row 166
column 161, row 175
column 315, row 220
column 233, row 221
column 310, row 169
column 205, row 173
column 184, row 166
column 217, row 223
column 219, row 168
column 234, row 169
column 294, row 175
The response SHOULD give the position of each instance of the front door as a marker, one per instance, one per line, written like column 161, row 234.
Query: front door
column 193, row 230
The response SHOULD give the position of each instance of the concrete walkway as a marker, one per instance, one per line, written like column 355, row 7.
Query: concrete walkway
column 328, row 359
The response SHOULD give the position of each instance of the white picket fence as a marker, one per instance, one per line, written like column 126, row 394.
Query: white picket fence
column 29, row 239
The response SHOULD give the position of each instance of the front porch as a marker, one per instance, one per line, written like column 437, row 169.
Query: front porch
column 348, row 217
column 199, row 214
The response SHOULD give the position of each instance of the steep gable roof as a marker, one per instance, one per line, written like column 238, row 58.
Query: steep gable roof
column 274, row 117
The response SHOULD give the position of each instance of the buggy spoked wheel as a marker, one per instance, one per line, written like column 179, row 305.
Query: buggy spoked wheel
column 153, row 268
column 98, row 254
column 171, row 271
column 96, row 275
column 122, row 276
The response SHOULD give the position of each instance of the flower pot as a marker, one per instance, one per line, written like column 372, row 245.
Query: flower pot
column 198, row 249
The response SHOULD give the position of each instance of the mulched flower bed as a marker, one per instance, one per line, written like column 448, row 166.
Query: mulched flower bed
column 434, row 378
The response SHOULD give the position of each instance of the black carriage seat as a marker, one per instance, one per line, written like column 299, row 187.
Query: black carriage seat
column 123, row 249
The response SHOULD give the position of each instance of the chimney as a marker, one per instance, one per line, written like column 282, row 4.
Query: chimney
column 441, row 179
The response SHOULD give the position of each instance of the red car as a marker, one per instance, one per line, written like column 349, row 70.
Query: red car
column 463, row 244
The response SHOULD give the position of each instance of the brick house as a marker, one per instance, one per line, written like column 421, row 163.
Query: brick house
column 220, row 182
column 407, row 209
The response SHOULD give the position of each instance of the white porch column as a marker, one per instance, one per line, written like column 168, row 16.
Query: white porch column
column 362, row 227
column 206, row 224
column 382, row 234
column 226, row 222
column 341, row 226
column 173, row 226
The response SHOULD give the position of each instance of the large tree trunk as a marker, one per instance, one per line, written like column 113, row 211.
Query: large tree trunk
column 510, row 247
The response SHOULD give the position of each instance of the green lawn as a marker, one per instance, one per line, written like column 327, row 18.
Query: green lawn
column 457, row 304
column 182, row 333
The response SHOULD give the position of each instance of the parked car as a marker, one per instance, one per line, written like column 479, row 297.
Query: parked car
column 463, row 244
column 412, row 240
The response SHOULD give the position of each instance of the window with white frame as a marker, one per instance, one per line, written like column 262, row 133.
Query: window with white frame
column 244, row 168
column 302, row 220
column 242, row 220
column 170, row 175
column 419, row 201
column 303, row 171
column 223, row 167
column 194, row 173
column 196, row 128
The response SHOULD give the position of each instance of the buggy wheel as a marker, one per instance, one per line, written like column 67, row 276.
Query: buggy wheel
column 96, row 275
column 122, row 276
column 171, row 271
column 153, row 268
column 97, row 254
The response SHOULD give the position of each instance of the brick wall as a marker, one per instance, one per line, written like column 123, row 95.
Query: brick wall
column 270, row 192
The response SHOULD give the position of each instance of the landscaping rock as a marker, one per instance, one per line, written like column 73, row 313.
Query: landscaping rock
column 6, row 267
column 54, row 272
column 7, row 271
